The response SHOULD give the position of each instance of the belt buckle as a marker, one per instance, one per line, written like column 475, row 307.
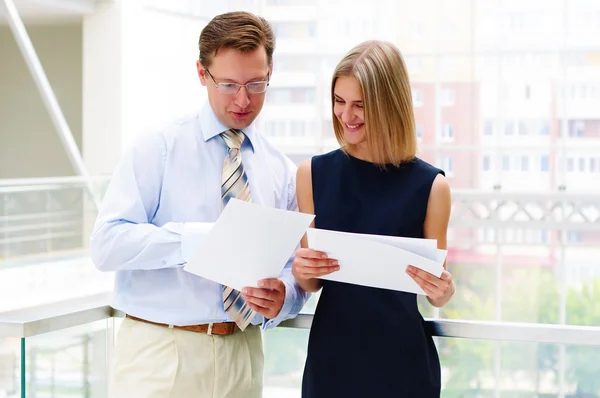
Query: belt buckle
column 210, row 328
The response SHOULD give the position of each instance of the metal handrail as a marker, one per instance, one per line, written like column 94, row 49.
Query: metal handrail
column 63, row 315
column 44, row 183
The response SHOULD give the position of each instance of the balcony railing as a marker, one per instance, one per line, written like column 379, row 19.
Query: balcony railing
column 66, row 348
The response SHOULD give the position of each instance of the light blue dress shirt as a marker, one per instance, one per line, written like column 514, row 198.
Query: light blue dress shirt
column 161, row 201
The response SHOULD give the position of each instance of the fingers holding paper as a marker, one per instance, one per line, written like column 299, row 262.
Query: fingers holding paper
column 267, row 299
column 309, row 264
column 440, row 290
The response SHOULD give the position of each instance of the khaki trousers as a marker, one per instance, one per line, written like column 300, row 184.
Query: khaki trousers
column 157, row 362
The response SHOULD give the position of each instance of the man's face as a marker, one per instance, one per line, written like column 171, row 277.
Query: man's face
column 231, row 66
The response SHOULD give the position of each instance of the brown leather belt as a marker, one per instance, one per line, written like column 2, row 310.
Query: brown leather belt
column 221, row 328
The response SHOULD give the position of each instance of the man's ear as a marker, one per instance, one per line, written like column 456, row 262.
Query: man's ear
column 201, row 72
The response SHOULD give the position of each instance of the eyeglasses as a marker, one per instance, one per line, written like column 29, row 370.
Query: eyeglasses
column 233, row 88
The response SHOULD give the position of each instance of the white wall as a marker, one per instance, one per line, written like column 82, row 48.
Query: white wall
column 29, row 143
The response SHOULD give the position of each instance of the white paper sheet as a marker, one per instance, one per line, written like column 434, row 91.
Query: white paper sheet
column 248, row 242
column 369, row 262
column 423, row 247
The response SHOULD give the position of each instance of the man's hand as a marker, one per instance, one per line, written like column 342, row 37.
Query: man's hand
column 267, row 299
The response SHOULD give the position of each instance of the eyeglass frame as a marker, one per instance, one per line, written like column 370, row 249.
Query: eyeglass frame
column 239, row 86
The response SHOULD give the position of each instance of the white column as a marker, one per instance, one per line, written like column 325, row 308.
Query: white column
column 102, row 88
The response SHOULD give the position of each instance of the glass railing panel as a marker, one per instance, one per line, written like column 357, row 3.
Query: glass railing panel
column 285, row 354
column 45, row 227
column 68, row 363
column 10, row 367
column 463, row 364
column 46, row 216
column 470, row 368
column 474, row 368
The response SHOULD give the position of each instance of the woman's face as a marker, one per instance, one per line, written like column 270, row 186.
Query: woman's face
column 348, row 108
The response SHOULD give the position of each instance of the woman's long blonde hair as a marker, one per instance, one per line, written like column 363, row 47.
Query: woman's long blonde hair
column 387, row 100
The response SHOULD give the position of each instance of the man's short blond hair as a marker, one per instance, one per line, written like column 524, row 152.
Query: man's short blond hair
column 241, row 31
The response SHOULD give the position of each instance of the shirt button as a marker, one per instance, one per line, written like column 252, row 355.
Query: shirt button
column 164, row 262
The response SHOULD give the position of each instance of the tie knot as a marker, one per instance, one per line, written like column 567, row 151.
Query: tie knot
column 233, row 138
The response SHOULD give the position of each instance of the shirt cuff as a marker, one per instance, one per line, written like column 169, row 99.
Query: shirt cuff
column 289, row 305
column 193, row 235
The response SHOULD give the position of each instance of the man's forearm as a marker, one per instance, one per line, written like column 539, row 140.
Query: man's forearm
column 118, row 246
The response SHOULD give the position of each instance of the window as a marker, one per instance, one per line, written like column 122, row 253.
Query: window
column 357, row 28
column 509, row 128
column 417, row 30
column 570, row 165
column 486, row 163
column 545, row 128
column 419, row 132
column 295, row 30
column 270, row 128
column 490, row 234
column 448, row 65
column 488, row 127
column 295, row 63
column 447, row 97
column 447, row 164
column 274, row 128
column 545, row 236
column 523, row 128
column 593, row 165
column 576, row 128
column 581, row 165
column 447, row 133
column 524, row 163
column 516, row 21
column 573, row 91
column 297, row 128
column 573, row 237
column 544, row 163
column 505, row 163
column 414, row 64
column 288, row 96
column 417, row 97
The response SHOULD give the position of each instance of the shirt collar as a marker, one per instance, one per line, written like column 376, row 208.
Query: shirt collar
column 212, row 127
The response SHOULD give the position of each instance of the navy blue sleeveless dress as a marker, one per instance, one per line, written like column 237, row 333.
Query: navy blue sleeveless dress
column 368, row 342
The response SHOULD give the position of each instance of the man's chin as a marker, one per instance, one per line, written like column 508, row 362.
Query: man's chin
column 241, row 123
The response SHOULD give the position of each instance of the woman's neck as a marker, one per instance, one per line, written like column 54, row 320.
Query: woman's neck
column 360, row 151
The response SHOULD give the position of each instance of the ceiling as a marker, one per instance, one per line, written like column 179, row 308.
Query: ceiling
column 50, row 11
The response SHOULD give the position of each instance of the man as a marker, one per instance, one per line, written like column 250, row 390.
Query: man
column 186, row 336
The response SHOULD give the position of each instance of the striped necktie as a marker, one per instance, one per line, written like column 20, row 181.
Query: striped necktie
column 234, row 184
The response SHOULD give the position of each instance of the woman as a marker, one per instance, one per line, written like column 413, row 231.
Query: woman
column 364, row 341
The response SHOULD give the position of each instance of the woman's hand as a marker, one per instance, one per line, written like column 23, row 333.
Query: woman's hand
column 439, row 290
column 309, row 264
